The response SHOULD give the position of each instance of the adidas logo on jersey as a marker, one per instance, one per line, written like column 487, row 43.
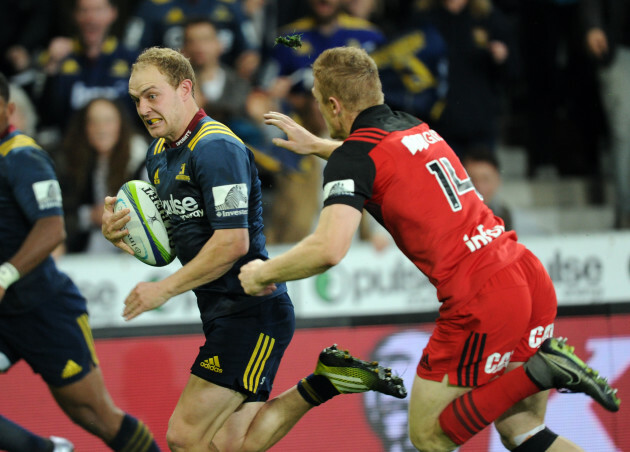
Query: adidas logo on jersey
column 484, row 237
column 212, row 364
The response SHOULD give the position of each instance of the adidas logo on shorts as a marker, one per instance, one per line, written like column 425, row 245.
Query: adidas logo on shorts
column 212, row 364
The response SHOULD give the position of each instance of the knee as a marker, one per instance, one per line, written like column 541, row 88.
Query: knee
column 177, row 439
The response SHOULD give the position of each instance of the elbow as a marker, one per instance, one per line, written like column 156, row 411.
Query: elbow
column 61, row 238
column 240, row 249
column 332, row 256
column 54, row 229
column 238, row 245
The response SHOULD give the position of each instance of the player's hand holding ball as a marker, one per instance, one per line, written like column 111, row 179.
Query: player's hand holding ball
column 113, row 226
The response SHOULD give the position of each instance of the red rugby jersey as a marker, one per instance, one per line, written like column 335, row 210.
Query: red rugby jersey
column 411, row 181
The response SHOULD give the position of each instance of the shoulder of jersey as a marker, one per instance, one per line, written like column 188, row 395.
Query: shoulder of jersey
column 212, row 130
column 17, row 141
column 149, row 227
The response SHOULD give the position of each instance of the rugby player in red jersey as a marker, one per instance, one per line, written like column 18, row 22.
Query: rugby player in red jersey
column 492, row 356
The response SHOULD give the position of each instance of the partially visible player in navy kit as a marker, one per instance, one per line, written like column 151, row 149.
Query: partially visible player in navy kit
column 208, row 183
column 498, row 303
column 43, row 317
column 15, row 438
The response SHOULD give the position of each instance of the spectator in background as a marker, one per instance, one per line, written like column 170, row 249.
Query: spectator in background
column 221, row 92
column 94, row 64
column 25, row 29
column 480, row 59
column 608, row 41
column 261, row 27
column 161, row 23
column 414, row 71
column 483, row 168
column 560, row 91
column 365, row 9
column 327, row 26
column 101, row 151
column 296, row 198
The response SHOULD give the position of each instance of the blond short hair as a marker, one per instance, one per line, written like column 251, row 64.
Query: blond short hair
column 350, row 75
column 171, row 63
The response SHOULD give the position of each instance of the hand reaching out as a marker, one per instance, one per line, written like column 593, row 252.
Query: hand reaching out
column 299, row 140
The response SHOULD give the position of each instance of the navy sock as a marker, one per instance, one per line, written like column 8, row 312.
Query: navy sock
column 316, row 389
column 133, row 436
column 16, row 438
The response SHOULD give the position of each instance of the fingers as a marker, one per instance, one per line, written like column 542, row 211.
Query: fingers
column 267, row 290
column 123, row 246
column 133, row 306
column 274, row 115
column 282, row 143
column 281, row 121
column 114, row 222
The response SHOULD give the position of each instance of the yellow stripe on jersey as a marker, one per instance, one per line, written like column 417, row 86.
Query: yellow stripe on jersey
column 17, row 141
column 159, row 146
column 209, row 128
column 355, row 23
column 257, row 362
column 84, row 324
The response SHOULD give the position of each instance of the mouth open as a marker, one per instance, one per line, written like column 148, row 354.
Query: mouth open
column 152, row 121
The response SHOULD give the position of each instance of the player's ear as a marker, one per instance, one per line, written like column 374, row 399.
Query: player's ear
column 186, row 88
column 11, row 107
column 334, row 104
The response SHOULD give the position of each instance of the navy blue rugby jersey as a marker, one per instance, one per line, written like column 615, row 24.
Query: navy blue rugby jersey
column 208, row 181
column 29, row 191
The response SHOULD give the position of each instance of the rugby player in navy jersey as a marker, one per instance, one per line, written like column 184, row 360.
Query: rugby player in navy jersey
column 498, row 303
column 43, row 317
column 208, row 183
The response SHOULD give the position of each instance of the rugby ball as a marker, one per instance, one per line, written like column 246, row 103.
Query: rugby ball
column 149, row 228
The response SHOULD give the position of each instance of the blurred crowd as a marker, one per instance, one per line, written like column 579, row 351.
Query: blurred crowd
column 550, row 76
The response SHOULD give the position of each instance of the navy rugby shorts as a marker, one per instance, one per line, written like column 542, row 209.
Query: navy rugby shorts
column 243, row 350
column 54, row 338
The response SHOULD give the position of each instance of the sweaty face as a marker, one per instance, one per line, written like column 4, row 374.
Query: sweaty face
column 157, row 102
column 103, row 126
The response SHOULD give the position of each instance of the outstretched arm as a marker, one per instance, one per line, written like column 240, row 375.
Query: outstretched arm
column 321, row 250
column 216, row 257
column 299, row 140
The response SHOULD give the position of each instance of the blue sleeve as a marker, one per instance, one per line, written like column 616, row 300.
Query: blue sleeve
column 34, row 183
column 222, row 170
